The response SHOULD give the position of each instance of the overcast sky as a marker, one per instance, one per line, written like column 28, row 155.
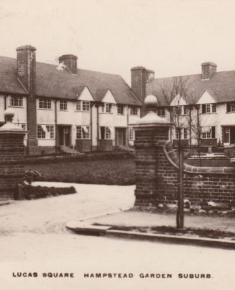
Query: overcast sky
column 170, row 37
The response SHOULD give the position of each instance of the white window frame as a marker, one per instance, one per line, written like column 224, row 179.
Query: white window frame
column 120, row 109
column 134, row 110
column 63, row 105
column 209, row 108
column 16, row 101
column 45, row 131
column 83, row 132
column 44, row 103
column 131, row 134
column 208, row 135
column 107, row 133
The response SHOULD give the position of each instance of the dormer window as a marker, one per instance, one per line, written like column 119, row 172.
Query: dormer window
column 230, row 107
column 106, row 108
column 120, row 109
column 83, row 106
column 133, row 110
column 208, row 108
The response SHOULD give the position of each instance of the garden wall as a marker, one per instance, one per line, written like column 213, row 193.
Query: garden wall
column 157, row 173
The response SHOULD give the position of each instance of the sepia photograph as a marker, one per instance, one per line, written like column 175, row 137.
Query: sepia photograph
column 117, row 144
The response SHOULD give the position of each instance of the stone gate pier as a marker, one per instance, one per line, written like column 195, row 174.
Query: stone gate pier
column 11, row 152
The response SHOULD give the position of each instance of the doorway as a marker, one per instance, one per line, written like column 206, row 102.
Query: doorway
column 120, row 136
column 64, row 135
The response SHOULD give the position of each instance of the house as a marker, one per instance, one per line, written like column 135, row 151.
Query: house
column 202, row 105
column 64, row 106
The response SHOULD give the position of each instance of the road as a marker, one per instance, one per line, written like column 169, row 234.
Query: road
column 37, row 243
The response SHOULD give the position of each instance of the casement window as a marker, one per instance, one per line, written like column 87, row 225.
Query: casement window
column 63, row 105
column 83, row 106
column 83, row 132
column 106, row 108
column 207, row 132
column 46, row 132
column 181, row 110
column 185, row 133
column 161, row 112
column 131, row 134
column 134, row 110
column 208, row 108
column 120, row 109
column 16, row 101
column 105, row 133
column 177, row 134
column 230, row 107
column 44, row 104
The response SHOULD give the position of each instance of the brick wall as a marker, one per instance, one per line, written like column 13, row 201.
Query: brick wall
column 157, row 173
column 11, row 172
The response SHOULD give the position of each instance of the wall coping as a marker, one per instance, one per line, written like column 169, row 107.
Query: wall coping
column 196, row 169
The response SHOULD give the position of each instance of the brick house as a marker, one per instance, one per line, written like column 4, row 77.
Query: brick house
column 65, row 106
column 205, row 103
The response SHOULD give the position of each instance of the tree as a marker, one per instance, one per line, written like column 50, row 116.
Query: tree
column 177, row 94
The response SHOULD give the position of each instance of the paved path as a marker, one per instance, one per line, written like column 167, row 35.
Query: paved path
column 145, row 219
column 51, row 214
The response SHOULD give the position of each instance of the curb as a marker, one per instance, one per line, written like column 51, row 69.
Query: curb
column 88, row 229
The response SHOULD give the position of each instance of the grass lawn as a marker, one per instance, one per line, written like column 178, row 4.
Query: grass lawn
column 108, row 171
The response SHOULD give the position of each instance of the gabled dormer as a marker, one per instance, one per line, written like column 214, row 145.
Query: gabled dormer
column 107, row 102
column 207, row 103
column 84, row 100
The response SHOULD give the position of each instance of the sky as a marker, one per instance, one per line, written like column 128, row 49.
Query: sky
column 171, row 37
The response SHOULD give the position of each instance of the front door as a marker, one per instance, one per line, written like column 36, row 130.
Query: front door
column 120, row 136
column 64, row 135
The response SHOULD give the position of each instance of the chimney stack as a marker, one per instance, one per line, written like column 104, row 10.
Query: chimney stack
column 208, row 70
column 26, row 72
column 26, row 67
column 70, row 61
column 139, row 78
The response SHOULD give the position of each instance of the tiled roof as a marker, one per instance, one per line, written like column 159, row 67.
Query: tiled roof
column 50, row 82
column 221, row 86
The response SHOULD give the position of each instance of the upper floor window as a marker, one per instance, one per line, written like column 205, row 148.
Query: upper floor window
column 207, row 132
column 63, row 105
column 134, row 110
column 208, row 108
column 16, row 101
column 230, row 107
column 46, row 132
column 105, row 133
column 161, row 112
column 44, row 104
column 107, row 108
column 181, row 110
column 83, row 132
column 83, row 106
column 120, row 109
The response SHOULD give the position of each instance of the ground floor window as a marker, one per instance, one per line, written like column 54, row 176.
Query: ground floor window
column 131, row 134
column 83, row 132
column 105, row 133
column 45, row 131
column 208, row 132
